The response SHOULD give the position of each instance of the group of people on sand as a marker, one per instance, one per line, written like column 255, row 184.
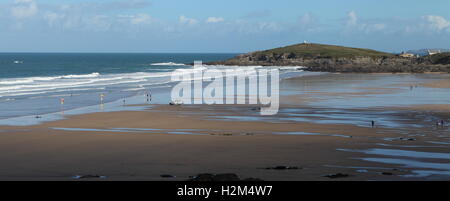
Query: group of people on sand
column 148, row 95
column 411, row 87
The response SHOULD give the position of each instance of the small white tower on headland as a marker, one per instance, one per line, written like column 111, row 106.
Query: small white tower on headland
column 305, row 43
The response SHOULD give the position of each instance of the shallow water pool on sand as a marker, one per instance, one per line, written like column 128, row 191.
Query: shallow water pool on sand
column 361, row 118
column 422, row 164
column 366, row 90
column 314, row 134
column 136, row 130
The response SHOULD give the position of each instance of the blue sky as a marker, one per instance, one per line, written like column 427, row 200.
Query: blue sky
column 219, row 25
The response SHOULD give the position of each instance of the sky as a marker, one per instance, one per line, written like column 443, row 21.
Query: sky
column 220, row 26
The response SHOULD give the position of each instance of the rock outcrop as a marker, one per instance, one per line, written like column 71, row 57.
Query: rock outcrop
column 317, row 57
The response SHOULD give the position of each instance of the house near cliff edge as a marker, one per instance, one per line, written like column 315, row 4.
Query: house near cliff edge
column 406, row 55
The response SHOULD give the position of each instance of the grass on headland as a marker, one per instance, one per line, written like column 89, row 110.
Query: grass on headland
column 311, row 50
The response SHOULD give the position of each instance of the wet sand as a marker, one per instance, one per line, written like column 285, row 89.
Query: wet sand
column 444, row 82
column 233, row 147
column 187, row 140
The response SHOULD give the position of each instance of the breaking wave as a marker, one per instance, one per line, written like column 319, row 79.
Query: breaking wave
column 168, row 64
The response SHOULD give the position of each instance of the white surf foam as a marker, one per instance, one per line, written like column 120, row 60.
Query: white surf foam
column 168, row 64
column 41, row 85
column 14, row 81
column 80, row 76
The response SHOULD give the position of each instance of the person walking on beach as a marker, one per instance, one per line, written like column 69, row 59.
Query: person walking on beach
column 62, row 105
column 373, row 123
column 437, row 124
column 101, row 98
column 149, row 96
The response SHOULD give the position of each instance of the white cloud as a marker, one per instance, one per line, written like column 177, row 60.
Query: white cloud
column 352, row 19
column 306, row 19
column 23, row 1
column 185, row 20
column 369, row 28
column 378, row 27
column 141, row 19
column 258, row 14
column 269, row 26
column 214, row 19
column 429, row 24
column 97, row 23
column 354, row 24
column 24, row 9
column 124, row 4
column 53, row 18
column 437, row 23
column 249, row 27
column 78, row 22
column 92, row 16
column 309, row 23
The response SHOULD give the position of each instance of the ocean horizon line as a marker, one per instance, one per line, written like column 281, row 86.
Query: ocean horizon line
column 121, row 53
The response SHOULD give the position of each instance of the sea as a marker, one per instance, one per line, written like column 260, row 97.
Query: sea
column 33, row 84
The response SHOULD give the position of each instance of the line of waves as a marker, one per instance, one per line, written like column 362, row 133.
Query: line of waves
column 29, row 86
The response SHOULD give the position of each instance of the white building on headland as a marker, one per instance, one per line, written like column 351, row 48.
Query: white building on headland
column 433, row 52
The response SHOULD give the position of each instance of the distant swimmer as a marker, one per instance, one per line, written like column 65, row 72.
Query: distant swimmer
column 62, row 101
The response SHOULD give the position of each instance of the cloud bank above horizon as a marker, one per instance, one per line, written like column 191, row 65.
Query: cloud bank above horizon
column 218, row 25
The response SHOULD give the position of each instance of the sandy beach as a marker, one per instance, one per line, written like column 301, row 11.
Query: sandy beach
column 315, row 131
